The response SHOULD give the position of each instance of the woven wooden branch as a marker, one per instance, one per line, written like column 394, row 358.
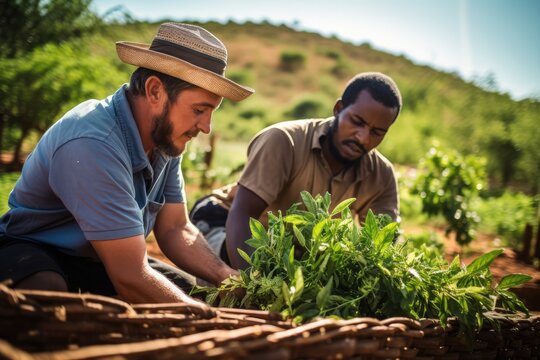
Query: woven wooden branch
column 53, row 325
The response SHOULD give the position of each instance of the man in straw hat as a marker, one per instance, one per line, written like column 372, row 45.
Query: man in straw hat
column 336, row 155
column 108, row 173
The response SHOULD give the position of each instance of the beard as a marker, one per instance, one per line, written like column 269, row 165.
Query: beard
column 334, row 149
column 162, row 134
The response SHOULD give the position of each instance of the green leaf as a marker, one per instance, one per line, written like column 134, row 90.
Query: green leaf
column 342, row 206
column 309, row 201
column 298, row 285
column 324, row 294
column 483, row 262
column 299, row 236
column 294, row 219
column 286, row 293
column 385, row 236
column 370, row 227
column 317, row 229
column 255, row 243
column 245, row 256
column 513, row 280
column 291, row 257
column 257, row 230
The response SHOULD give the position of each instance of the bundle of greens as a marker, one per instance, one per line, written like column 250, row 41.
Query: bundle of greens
column 316, row 263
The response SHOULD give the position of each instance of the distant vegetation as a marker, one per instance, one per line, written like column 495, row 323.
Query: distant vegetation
column 296, row 75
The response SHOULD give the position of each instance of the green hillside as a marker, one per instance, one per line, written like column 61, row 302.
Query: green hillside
column 300, row 74
column 296, row 75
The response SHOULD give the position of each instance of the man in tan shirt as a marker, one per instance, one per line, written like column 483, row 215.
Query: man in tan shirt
column 335, row 155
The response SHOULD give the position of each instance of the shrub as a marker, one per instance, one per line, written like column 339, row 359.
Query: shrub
column 292, row 60
column 312, row 106
column 507, row 216
column 447, row 184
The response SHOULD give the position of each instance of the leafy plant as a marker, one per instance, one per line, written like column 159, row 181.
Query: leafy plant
column 447, row 185
column 507, row 216
column 316, row 262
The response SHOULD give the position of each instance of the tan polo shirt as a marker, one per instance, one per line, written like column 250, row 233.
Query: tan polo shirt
column 286, row 158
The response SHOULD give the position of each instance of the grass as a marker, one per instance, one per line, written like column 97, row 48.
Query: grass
column 7, row 182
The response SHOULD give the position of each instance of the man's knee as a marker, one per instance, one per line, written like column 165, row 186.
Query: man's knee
column 43, row 280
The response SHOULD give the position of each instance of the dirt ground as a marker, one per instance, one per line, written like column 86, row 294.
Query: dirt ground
column 507, row 263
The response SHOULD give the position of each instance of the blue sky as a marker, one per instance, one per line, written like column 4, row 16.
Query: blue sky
column 474, row 38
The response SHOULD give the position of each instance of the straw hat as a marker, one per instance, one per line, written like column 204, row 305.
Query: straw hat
column 187, row 52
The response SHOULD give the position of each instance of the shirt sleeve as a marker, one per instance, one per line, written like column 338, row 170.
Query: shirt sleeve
column 96, row 185
column 386, row 200
column 269, row 164
column 174, row 186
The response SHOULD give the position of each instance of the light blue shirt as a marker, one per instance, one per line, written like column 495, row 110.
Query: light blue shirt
column 89, row 179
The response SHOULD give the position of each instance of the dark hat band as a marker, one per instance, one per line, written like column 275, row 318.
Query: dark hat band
column 192, row 56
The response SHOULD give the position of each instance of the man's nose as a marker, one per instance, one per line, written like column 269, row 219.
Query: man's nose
column 362, row 135
column 205, row 125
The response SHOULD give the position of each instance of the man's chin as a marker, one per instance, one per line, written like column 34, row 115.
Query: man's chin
column 172, row 151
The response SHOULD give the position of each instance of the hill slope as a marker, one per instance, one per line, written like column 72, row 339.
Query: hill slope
column 300, row 74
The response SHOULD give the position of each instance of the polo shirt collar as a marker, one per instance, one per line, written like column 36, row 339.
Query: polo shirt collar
column 359, row 172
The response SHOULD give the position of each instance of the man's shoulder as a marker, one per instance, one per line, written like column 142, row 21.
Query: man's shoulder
column 294, row 130
column 91, row 119
column 379, row 162
column 298, row 125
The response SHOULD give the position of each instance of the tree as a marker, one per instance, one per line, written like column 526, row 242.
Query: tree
column 27, row 25
column 48, row 82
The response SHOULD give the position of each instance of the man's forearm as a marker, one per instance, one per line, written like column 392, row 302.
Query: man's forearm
column 149, row 286
column 189, row 250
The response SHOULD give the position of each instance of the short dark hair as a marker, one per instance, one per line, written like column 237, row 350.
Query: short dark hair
column 172, row 85
column 380, row 86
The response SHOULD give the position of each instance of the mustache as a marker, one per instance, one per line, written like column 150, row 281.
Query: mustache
column 356, row 143
column 192, row 133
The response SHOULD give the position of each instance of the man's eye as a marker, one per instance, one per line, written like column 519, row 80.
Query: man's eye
column 358, row 122
column 198, row 111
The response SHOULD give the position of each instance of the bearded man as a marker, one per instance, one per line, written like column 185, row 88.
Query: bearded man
column 108, row 173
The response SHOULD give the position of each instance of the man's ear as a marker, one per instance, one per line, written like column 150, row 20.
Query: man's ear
column 338, row 107
column 155, row 91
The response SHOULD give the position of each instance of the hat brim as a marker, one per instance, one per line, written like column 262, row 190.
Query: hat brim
column 140, row 55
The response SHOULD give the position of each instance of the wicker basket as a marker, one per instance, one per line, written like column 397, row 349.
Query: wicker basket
column 55, row 325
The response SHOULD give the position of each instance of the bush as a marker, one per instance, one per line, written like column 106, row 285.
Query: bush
column 292, row 61
column 311, row 106
column 448, row 184
column 506, row 216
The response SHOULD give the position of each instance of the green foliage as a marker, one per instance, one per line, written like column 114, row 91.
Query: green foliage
column 437, row 105
column 315, row 262
column 310, row 107
column 506, row 216
column 428, row 243
column 29, row 24
column 447, row 184
column 292, row 60
column 7, row 183
column 50, row 81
